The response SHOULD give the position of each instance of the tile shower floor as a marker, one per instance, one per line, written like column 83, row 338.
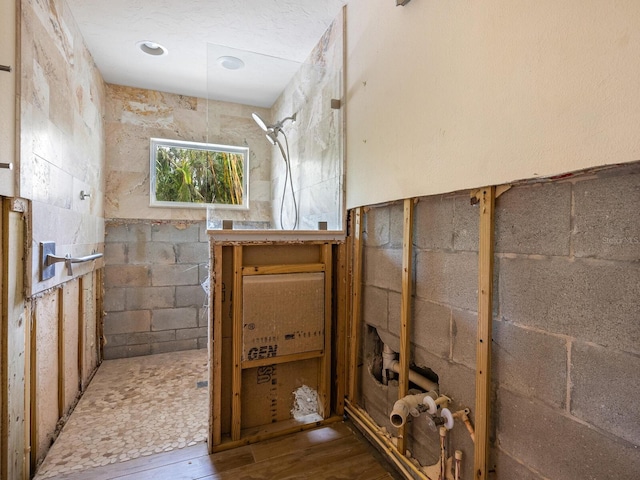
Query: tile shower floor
column 134, row 407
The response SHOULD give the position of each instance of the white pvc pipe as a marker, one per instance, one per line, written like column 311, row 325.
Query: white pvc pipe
column 389, row 362
column 408, row 405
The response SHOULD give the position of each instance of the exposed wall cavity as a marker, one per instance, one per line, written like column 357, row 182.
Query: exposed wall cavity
column 305, row 402
column 565, row 331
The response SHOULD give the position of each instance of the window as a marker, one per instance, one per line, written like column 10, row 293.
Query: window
column 190, row 174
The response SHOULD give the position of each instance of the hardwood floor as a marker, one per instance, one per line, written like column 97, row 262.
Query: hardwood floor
column 331, row 453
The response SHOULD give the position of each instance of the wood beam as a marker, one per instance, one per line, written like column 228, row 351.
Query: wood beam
column 486, row 198
column 324, row 384
column 356, row 304
column 405, row 312
column 215, row 344
column 236, row 378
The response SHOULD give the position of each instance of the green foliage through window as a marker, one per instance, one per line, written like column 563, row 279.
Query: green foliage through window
column 191, row 173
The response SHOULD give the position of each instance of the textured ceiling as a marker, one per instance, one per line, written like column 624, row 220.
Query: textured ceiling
column 196, row 33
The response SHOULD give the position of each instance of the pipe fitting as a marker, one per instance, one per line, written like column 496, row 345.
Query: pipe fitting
column 436, row 403
column 405, row 406
column 389, row 362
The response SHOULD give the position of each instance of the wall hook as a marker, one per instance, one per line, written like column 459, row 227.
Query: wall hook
column 84, row 194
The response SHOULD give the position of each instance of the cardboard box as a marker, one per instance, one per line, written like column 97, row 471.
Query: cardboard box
column 283, row 314
column 268, row 392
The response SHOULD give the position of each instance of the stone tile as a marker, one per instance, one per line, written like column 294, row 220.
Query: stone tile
column 449, row 278
column 534, row 219
column 375, row 306
column 138, row 405
column 590, row 300
column 605, row 389
column 174, row 318
column 376, row 227
column 433, row 217
column 515, row 350
column 607, row 218
column 179, row 274
column 383, row 268
column 553, row 444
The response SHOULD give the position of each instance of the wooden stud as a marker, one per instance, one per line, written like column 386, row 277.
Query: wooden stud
column 215, row 342
column 356, row 305
column 340, row 357
column 33, row 392
column 324, row 383
column 486, row 197
column 236, row 380
column 61, row 352
column 405, row 312
column 81, row 327
column 275, row 269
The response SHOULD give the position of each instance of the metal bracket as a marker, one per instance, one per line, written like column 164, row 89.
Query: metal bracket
column 48, row 260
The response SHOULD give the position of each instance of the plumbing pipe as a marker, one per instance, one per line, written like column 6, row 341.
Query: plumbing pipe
column 408, row 405
column 458, row 456
column 434, row 404
column 446, row 414
column 443, row 454
column 389, row 362
column 464, row 416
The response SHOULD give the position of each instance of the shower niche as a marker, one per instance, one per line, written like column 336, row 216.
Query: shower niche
column 293, row 129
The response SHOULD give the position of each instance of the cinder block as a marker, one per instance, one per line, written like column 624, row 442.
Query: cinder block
column 126, row 276
column 203, row 271
column 383, row 268
column 127, row 322
column 516, row 349
column 203, row 343
column 465, row 336
column 175, row 346
column 396, row 225
column 197, row 253
column 148, row 298
column 466, row 224
column 548, row 441
column 179, row 274
column 433, row 217
column 431, row 324
column 111, row 353
column 128, row 233
column 376, row 227
column 607, row 218
column 152, row 337
column 175, row 232
column 534, row 219
column 375, row 306
column 115, row 253
column 449, row 278
column 203, row 236
column 606, row 389
column 190, row 296
column 191, row 333
column 509, row 468
column 151, row 253
column 114, row 299
column 174, row 318
column 203, row 317
column 576, row 298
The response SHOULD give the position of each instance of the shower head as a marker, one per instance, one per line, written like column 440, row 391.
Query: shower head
column 276, row 127
column 261, row 123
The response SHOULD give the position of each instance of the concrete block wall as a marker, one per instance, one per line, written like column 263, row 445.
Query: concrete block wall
column 566, row 334
column 154, row 301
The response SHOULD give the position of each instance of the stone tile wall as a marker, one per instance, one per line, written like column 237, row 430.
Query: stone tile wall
column 566, row 334
column 154, row 301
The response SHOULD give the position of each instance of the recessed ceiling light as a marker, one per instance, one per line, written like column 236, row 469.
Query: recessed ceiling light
column 152, row 48
column 230, row 63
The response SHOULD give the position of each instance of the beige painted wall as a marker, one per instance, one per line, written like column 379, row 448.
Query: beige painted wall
column 134, row 116
column 444, row 96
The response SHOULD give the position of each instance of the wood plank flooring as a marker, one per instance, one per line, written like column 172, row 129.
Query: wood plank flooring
column 333, row 452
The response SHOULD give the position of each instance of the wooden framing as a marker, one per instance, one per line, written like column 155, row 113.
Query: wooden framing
column 486, row 197
column 405, row 311
column 215, row 345
column 324, row 377
column 236, row 380
column 341, row 294
column 318, row 259
column 81, row 328
column 356, row 305
column 61, row 352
